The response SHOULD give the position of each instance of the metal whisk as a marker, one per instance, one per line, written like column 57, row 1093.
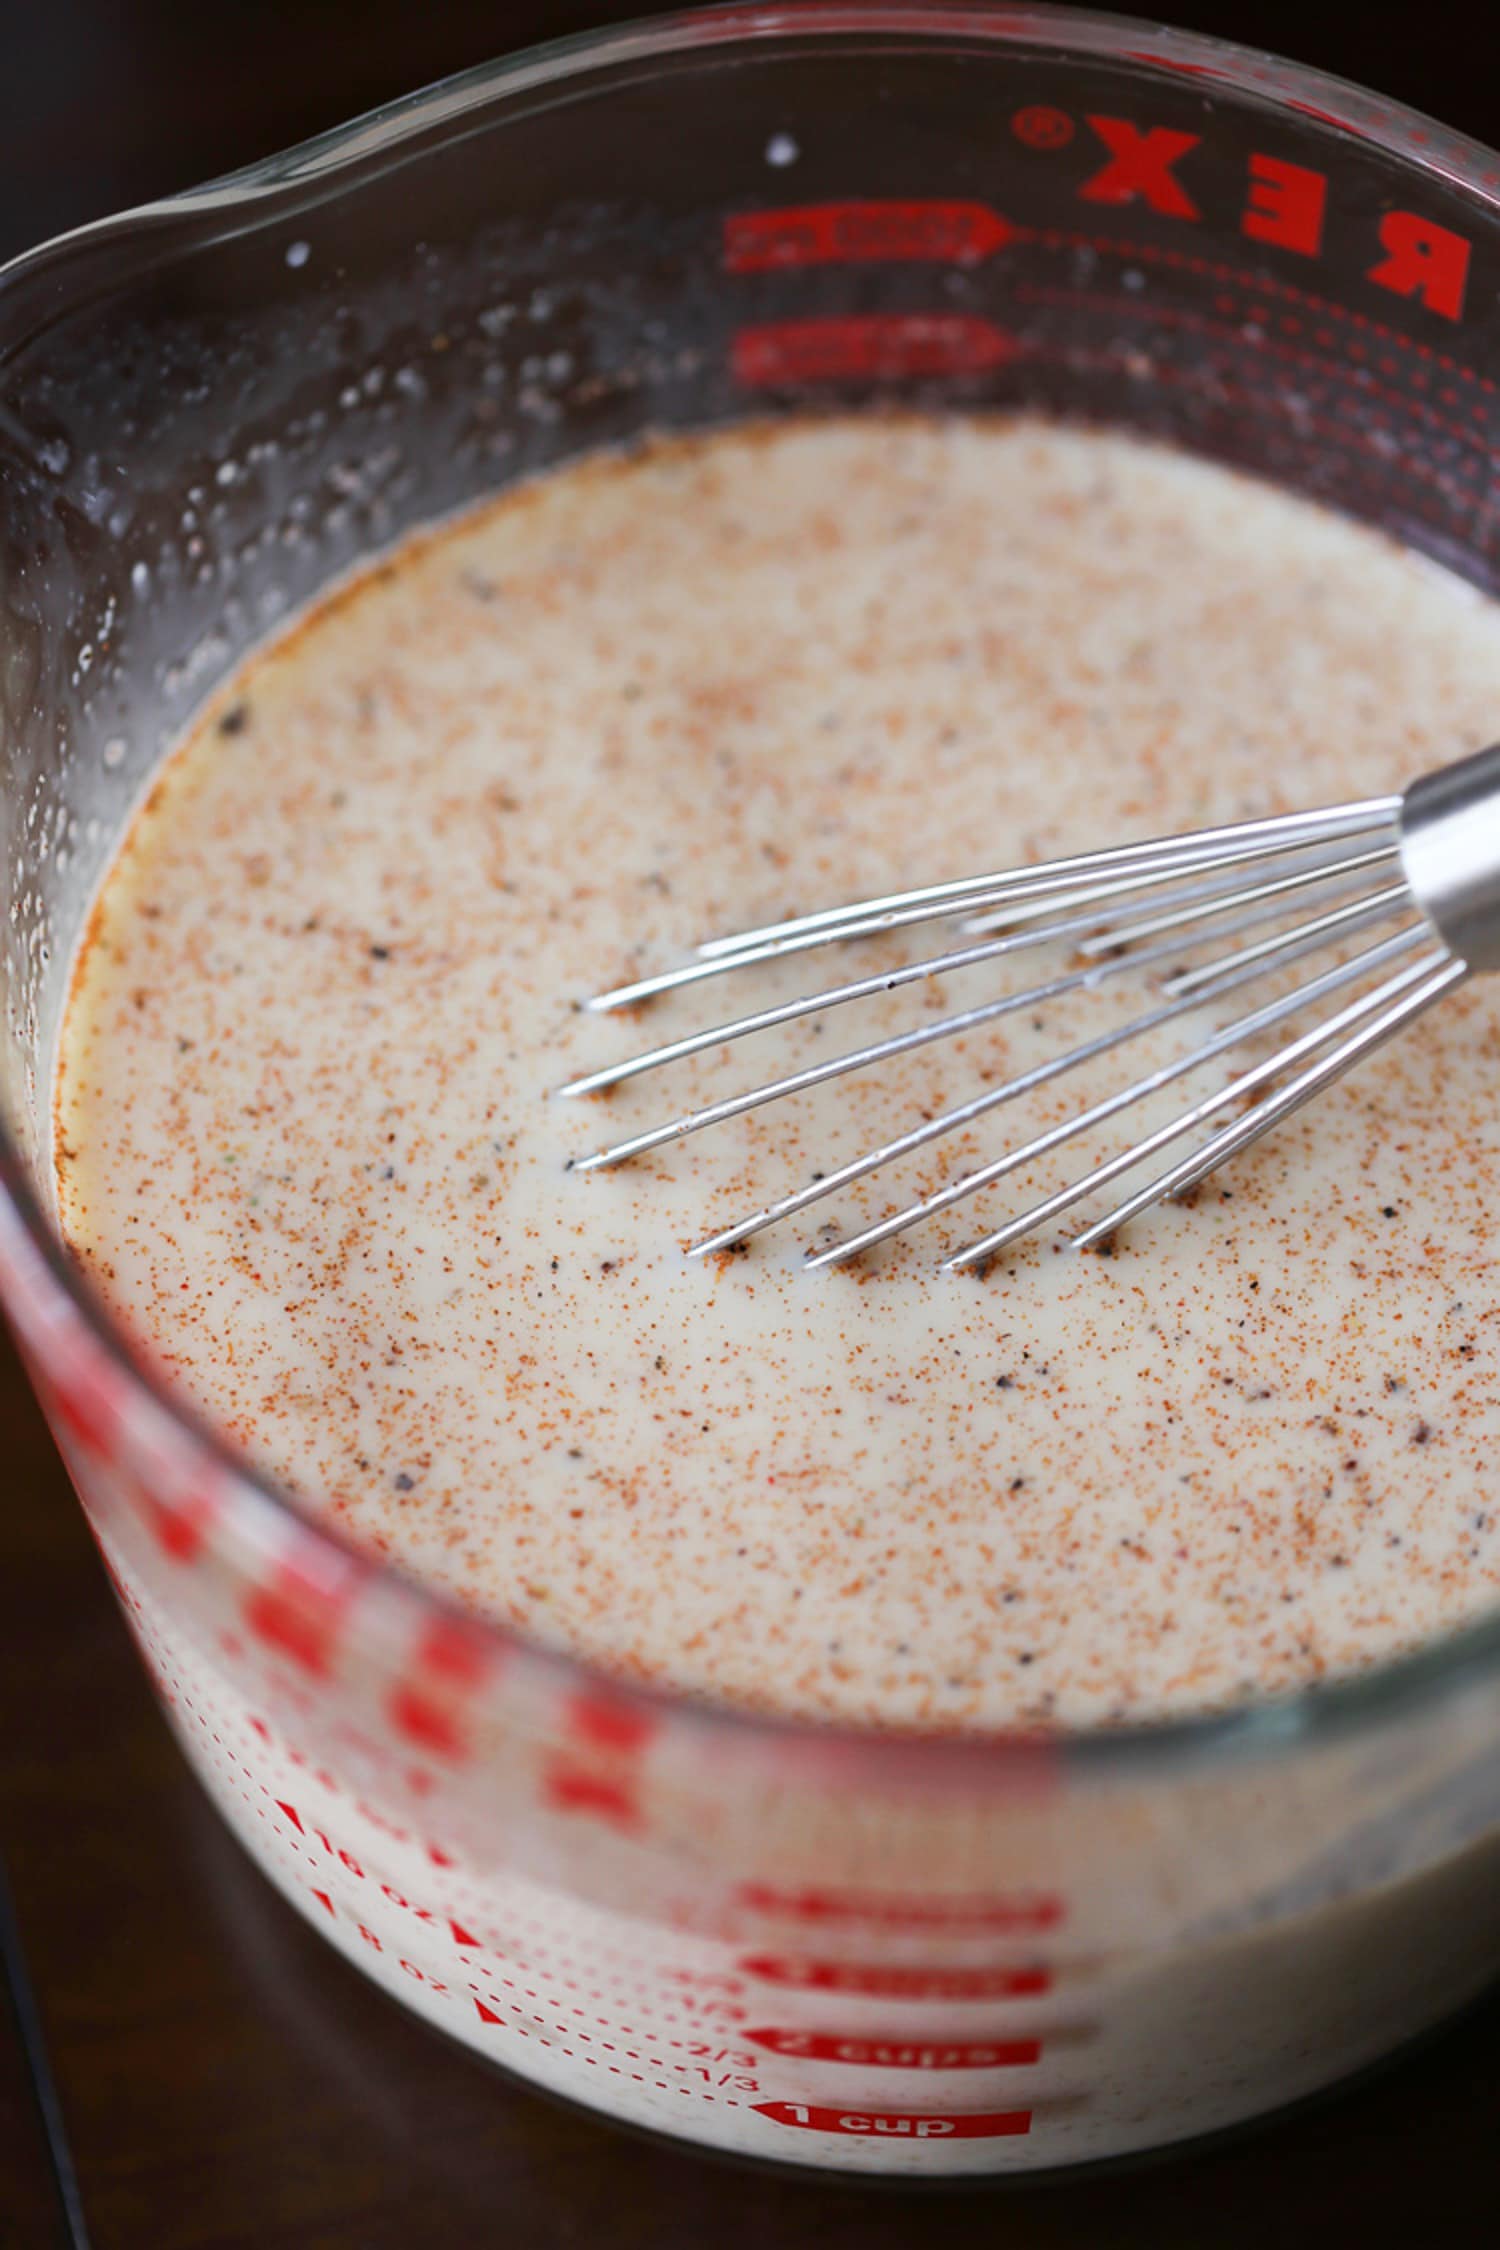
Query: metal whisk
column 1426, row 864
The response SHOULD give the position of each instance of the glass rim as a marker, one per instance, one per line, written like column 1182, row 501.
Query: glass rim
column 265, row 192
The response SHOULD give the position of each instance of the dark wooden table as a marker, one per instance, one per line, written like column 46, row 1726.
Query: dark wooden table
column 183, row 2066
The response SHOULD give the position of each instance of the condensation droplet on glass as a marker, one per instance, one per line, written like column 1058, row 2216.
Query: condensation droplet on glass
column 226, row 472
column 113, row 753
column 298, row 253
column 781, row 150
column 1132, row 278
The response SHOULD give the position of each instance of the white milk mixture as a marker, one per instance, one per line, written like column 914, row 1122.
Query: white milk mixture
column 306, row 1149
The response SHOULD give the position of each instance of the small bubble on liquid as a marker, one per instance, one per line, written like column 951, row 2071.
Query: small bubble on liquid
column 298, row 253
column 781, row 150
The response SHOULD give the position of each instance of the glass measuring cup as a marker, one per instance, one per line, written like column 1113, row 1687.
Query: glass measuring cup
column 872, row 1954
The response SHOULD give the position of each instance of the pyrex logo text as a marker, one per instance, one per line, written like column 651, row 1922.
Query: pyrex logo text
column 1285, row 205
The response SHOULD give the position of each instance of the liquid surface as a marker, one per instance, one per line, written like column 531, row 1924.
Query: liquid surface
column 305, row 1145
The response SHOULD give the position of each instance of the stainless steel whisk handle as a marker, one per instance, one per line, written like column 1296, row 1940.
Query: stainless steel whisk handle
column 1450, row 855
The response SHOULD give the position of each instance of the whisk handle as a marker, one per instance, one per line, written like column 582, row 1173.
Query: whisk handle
column 1450, row 853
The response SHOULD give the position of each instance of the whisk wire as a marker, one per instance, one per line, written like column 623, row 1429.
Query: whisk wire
column 1428, row 860
column 1231, row 1035
column 1205, row 846
column 1376, row 1004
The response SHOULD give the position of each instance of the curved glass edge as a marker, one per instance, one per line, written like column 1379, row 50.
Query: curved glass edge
column 1374, row 118
column 1399, row 1689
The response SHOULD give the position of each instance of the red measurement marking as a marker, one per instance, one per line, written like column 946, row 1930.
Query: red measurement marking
column 834, row 234
column 292, row 1814
column 1042, row 1912
column 300, row 1609
column 89, row 1408
column 985, row 2125
column 421, row 1720
column 897, row 1981
column 462, row 1937
column 453, row 1650
column 450, row 1662
column 572, row 1789
column 1041, row 126
column 874, row 344
column 324, row 1900
column 487, row 2015
column 179, row 1525
column 899, row 2054
column 610, row 1724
